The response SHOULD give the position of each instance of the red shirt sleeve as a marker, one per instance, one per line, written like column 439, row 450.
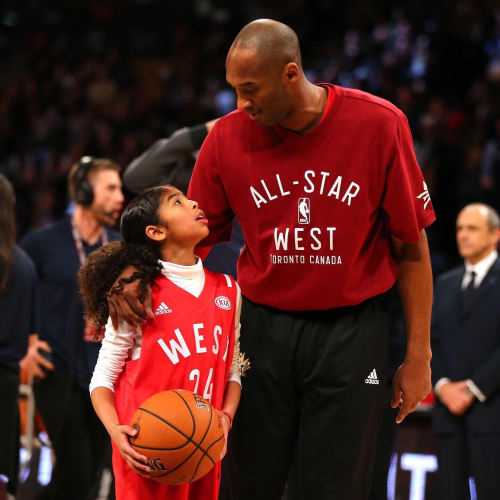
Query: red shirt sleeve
column 207, row 189
column 406, row 202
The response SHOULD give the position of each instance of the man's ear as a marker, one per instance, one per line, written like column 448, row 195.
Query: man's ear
column 291, row 72
column 156, row 233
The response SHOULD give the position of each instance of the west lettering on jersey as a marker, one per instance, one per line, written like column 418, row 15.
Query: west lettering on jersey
column 270, row 190
column 215, row 347
column 178, row 346
column 293, row 238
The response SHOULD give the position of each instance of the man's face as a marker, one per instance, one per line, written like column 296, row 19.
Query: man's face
column 475, row 239
column 260, row 88
column 108, row 196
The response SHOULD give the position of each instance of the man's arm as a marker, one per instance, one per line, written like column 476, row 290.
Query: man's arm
column 486, row 377
column 168, row 160
column 412, row 381
column 124, row 303
column 454, row 395
column 157, row 164
column 37, row 362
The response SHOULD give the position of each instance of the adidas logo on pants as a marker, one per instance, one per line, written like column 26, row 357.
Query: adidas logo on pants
column 372, row 378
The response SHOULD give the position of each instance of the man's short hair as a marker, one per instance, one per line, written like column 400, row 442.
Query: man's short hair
column 92, row 167
column 492, row 217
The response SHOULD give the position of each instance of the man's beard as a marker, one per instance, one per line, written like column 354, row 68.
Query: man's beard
column 105, row 218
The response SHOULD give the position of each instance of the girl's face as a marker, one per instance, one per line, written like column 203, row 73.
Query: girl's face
column 185, row 223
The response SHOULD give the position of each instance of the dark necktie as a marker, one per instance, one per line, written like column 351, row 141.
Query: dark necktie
column 470, row 290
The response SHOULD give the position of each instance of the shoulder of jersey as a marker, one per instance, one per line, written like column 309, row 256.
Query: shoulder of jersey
column 235, row 117
column 366, row 99
column 223, row 277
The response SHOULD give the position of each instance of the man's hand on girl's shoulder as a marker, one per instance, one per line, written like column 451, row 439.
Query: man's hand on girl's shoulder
column 124, row 303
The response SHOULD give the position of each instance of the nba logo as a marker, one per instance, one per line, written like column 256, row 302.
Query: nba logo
column 304, row 211
column 200, row 403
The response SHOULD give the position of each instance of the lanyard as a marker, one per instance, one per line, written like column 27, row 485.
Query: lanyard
column 79, row 243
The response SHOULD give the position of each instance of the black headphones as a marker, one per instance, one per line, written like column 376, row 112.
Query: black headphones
column 84, row 193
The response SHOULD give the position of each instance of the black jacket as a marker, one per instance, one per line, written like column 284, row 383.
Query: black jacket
column 466, row 345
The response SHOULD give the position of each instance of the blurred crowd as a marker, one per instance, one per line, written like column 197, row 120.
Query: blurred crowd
column 109, row 78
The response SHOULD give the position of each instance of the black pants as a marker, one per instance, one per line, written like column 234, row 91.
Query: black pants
column 9, row 425
column 465, row 454
column 81, row 445
column 385, row 448
column 311, row 405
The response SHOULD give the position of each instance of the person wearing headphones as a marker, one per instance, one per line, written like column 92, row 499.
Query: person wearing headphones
column 63, row 353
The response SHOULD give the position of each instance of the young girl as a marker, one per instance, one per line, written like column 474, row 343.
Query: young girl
column 192, row 343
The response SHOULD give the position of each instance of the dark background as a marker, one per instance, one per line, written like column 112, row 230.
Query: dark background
column 107, row 78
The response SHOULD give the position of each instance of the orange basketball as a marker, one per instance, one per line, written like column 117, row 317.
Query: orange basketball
column 181, row 435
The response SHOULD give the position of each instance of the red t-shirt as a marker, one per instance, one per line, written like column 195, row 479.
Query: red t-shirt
column 189, row 345
column 316, row 209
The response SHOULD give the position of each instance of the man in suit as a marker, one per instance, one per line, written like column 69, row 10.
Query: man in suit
column 466, row 360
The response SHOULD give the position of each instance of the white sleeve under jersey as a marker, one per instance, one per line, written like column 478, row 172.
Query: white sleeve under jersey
column 118, row 344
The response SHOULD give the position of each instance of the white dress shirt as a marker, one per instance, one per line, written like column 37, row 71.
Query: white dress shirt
column 481, row 269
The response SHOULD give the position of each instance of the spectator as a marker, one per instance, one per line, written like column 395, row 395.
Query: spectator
column 466, row 361
column 17, row 310
column 79, row 440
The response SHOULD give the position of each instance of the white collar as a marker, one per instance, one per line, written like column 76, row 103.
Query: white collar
column 481, row 268
column 171, row 270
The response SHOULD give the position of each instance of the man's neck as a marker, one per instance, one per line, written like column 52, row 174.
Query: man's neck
column 88, row 226
column 479, row 258
column 310, row 107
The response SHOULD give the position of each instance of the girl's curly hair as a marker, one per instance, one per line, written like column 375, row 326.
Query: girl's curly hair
column 102, row 267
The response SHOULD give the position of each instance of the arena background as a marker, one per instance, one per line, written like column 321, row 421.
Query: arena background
column 107, row 78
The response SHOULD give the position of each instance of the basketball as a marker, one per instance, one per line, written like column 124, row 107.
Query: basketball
column 180, row 434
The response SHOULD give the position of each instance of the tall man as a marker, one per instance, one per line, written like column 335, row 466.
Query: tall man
column 466, row 362
column 78, row 438
column 325, row 185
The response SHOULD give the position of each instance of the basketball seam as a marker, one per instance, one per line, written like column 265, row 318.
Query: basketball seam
column 196, row 446
column 203, row 439
column 192, row 416
column 190, row 440
column 165, row 422
column 207, row 455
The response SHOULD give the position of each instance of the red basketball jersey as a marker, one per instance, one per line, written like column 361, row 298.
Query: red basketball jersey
column 318, row 209
column 188, row 345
